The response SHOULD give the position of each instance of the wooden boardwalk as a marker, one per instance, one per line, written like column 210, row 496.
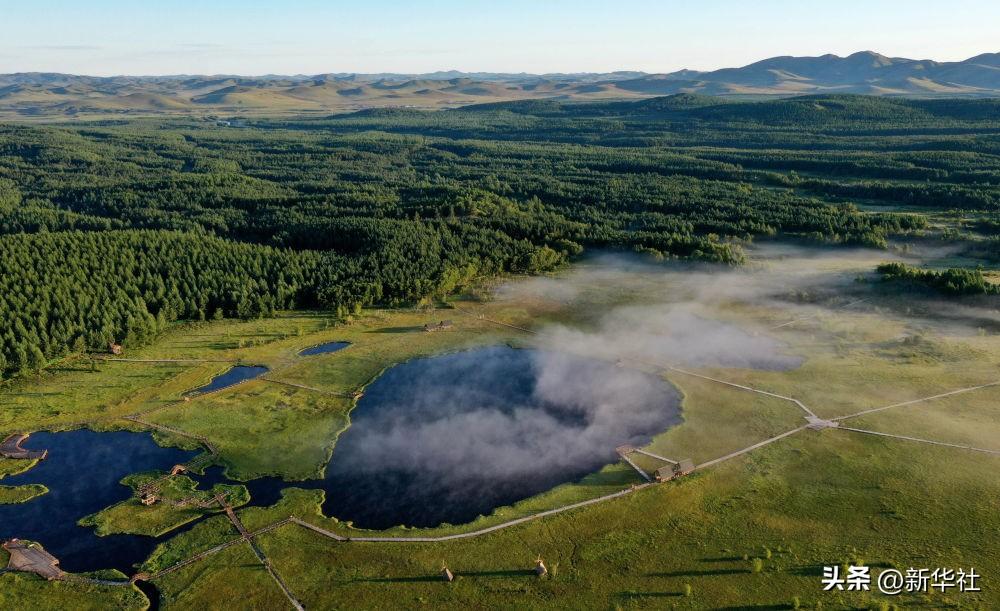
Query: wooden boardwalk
column 32, row 558
column 109, row 359
column 645, row 476
column 746, row 388
column 249, row 538
column 918, row 440
column 816, row 315
column 656, row 456
column 168, row 429
column 915, row 401
column 246, row 536
column 332, row 393
column 11, row 448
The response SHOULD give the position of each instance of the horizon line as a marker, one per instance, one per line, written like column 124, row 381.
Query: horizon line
column 305, row 75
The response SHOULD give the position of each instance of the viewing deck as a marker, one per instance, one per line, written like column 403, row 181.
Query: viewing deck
column 11, row 448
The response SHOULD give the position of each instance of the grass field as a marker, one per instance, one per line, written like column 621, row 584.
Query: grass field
column 750, row 532
column 11, row 466
column 17, row 588
column 10, row 495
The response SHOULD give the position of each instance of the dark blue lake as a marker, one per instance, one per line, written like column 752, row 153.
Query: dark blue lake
column 82, row 472
column 239, row 373
column 324, row 348
column 447, row 438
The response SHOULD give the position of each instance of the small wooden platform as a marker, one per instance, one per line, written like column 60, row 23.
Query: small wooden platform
column 818, row 424
column 32, row 558
column 11, row 448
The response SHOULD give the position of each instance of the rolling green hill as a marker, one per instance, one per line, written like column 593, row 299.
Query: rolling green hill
column 62, row 95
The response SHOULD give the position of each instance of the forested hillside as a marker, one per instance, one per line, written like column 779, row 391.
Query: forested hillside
column 110, row 230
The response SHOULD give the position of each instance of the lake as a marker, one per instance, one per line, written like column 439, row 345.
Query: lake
column 447, row 438
column 82, row 472
column 239, row 373
column 324, row 348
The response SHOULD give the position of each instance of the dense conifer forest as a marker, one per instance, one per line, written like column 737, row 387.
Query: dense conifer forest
column 111, row 230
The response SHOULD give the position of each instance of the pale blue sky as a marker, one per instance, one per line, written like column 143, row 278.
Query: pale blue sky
column 308, row 36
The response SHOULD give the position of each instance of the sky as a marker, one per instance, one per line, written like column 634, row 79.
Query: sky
column 253, row 37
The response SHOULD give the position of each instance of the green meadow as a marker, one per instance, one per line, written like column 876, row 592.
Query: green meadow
column 754, row 531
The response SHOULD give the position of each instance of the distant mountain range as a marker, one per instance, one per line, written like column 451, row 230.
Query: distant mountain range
column 52, row 94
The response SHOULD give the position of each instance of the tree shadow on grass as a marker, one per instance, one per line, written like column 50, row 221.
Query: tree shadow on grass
column 409, row 329
column 458, row 575
column 216, row 345
column 508, row 573
column 703, row 573
column 415, row 579
column 626, row 597
column 806, row 570
column 69, row 368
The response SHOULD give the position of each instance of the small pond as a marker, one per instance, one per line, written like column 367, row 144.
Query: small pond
column 239, row 373
column 82, row 473
column 324, row 348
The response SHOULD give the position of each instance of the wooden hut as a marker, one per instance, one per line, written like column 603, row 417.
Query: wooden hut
column 447, row 575
column 669, row 472
column 148, row 499
column 115, row 349
column 664, row 474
